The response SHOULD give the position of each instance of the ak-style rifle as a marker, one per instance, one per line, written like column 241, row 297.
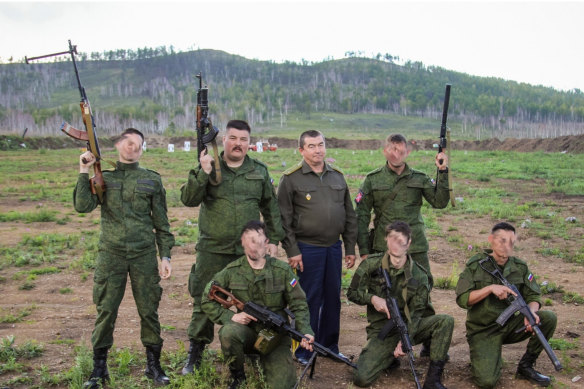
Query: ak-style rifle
column 89, row 135
column 206, row 131
column 445, row 139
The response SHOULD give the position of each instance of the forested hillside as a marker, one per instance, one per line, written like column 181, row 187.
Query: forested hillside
column 155, row 90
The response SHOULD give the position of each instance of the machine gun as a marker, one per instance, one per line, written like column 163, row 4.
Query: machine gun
column 396, row 320
column 445, row 139
column 90, row 134
column 518, row 304
column 206, row 131
column 275, row 322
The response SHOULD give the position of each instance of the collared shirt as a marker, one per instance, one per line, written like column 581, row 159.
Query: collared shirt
column 316, row 209
column 133, row 213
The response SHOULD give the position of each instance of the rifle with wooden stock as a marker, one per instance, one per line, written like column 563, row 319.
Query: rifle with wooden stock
column 89, row 135
column 206, row 131
column 274, row 322
column 445, row 139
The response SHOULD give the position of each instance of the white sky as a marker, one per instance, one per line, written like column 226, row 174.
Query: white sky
column 540, row 43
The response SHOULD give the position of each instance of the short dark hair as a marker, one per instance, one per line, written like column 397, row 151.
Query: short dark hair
column 502, row 226
column 129, row 131
column 254, row 225
column 401, row 227
column 238, row 125
column 395, row 138
column 308, row 134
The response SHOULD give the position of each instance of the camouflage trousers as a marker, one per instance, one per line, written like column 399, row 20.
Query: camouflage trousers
column 109, row 285
column 377, row 355
column 208, row 264
column 278, row 366
column 485, row 347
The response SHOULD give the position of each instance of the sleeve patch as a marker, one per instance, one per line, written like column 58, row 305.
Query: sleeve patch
column 359, row 197
column 293, row 282
column 530, row 277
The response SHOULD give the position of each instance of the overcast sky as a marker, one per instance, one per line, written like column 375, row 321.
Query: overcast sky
column 540, row 43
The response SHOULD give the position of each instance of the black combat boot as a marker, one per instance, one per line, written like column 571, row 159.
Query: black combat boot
column 434, row 375
column 238, row 378
column 526, row 371
column 194, row 358
column 153, row 369
column 99, row 375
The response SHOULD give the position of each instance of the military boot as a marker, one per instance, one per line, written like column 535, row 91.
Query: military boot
column 194, row 358
column 434, row 375
column 153, row 369
column 99, row 376
column 526, row 371
column 238, row 377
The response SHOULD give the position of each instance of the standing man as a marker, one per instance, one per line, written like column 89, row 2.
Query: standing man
column 394, row 192
column 316, row 209
column 264, row 280
column 411, row 289
column 133, row 223
column 484, row 298
column 245, row 191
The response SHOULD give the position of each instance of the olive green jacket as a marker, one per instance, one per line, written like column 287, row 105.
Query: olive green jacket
column 133, row 213
column 241, row 196
column 315, row 209
column 403, row 204
column 482, row 315
column 368, row 282
column 275, row 287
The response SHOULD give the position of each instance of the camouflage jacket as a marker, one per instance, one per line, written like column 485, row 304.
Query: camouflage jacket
column 316, row 209
column 377, row 193
column 482, row 315
column 133, row 214
column 368, row 282
column 243, row 194
column 275, row 286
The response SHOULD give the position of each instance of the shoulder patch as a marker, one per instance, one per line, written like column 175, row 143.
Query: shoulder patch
column 293, row 169
column 359, row 197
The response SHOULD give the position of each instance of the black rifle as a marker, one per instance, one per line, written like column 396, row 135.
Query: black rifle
column 206, row 131
column 445, row 138
column 274, row 322
column 518, row 304
column 396, row 320
column 90, row 134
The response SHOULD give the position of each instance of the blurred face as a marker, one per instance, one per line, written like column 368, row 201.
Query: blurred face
column 129, row 148
column 313, row 151
column 255, row 245
column 397, row 244
column 396, row 154
column 502, row 243
column 236, row 144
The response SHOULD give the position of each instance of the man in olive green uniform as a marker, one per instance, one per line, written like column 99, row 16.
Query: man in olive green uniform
column 484, row 298
column 394, row 192
column 266, row 281
column 245, row 192
column 316, row 209
column 133, row 223
column 411, row 289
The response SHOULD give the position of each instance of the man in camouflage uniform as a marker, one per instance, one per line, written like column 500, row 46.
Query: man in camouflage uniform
column 411, row 288
column 484, row 298
column 133, row 223
column 245, row 191
column 394, row 192
column 266, row 281
column 316, row 209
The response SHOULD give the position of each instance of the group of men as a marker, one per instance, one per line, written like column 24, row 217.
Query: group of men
column 313, row 217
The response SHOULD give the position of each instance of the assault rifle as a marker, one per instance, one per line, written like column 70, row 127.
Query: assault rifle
column 445, row 138
column 274, row 322
column 518, row 304
column 206, row 131
column 396, row 320
column 89, row 135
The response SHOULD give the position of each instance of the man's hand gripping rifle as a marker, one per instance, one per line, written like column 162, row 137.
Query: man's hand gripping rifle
column 396, row 320
column 206, row 131
column 518, row 304
column 90, row 134
column 274, row 322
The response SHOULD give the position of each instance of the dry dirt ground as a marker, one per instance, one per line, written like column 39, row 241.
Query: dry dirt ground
column 71, row 316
